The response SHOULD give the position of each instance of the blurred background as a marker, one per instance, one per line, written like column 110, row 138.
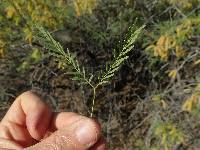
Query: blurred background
column 153, row 103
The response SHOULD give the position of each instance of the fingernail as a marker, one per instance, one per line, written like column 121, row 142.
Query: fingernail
column 86, row 133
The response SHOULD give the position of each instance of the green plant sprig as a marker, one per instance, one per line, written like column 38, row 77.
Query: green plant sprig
column 118, row 60
column 78, row 73
column 71, row 63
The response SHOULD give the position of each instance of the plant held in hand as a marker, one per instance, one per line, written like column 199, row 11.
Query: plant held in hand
column 77, row 72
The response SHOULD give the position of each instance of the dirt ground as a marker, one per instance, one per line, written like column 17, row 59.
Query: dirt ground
column 115, row 106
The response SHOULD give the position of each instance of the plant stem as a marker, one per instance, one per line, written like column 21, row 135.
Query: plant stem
column 93, row 102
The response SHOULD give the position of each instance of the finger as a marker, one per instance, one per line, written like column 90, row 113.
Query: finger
column 81, row 135
column 100, row 145
column 30, row 112
column 4, row 144
column 17, row 134
column 64, row 119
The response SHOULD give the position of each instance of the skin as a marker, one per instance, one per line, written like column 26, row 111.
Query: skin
column 30, row 124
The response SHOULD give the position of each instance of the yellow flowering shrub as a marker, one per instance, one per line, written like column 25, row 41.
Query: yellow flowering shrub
column 192, row 104
column 172, row 43
column 168, row 135
column 162, row 47
column 184, row 4
column 173, row 73
column 25, row 13
column 10, row 11
column 2, row 45
column 83, row 7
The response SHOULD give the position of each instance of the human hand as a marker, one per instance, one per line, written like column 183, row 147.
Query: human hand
column 30, row 124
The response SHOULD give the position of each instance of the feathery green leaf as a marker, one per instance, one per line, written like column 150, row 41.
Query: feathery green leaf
column 114, row 66
column 70, row 61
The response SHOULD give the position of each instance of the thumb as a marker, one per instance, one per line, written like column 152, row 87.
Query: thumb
column 81, row 135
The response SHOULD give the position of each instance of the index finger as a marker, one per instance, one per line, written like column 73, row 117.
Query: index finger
column 30, row 112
